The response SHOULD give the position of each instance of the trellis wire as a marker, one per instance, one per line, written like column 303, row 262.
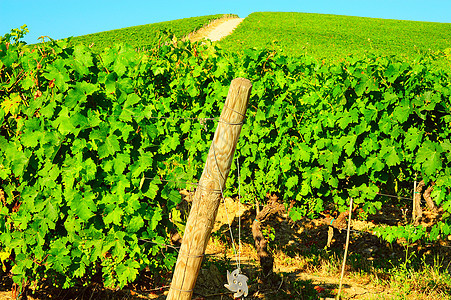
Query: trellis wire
column 237, row 255
column 197, row 184
column 219, row 120
column 225, row 208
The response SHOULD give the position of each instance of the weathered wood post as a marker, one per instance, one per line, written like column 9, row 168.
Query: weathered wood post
column 208, row 194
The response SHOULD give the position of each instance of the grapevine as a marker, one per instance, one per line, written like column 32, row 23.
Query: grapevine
column 94, row 147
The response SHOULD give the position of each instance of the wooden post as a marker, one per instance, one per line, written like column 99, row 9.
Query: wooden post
column 208, row 194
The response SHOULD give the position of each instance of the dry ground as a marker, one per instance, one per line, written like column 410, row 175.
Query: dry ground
column 302, row 261
column 303, row 268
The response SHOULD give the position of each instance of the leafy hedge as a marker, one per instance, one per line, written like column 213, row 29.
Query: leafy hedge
column 93, row 147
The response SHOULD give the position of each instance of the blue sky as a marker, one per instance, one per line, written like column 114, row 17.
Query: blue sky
column 60, row 19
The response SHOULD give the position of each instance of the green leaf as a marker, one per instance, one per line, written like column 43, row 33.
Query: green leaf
column 87, row 88
column 349, row 168
column 84, row 206
column 185, row 126
column 63, row 122
column 173, row 198
column 260, row 115
column 151, row 191
column 438, row 195
column 132, row 99
column 302, row 151
column 170, row 143
column 413, row 138
column 114, row 216
column 120, row 163
column 136, row 223
column 30, row 138
column 389, row 154
column 390, row 97
column 317, row 178
column 60, row 77
column 177, row 220
column 111, row 84
column 151, row 131
column 110, row 146
column 74, row 97
column 90, row 169
column 392, row 72
column 292, row 182
column 82, row 55
column 82, row 58
column 429, row 157
column 120, row 66
column 127, row 272
column 296, row 213
column 19, row 160
column 347, row 142
column 156, row 218
column 446, row 145
column 58, row 255
column 285, row 163
column 402, row 113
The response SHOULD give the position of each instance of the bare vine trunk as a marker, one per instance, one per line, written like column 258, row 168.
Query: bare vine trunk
column 261, row 244
column 417, row 212
column 338, row 223
column 427, row 196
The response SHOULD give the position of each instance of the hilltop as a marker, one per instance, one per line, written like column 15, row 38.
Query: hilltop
column 335, row 36
column 318, row 35
column 146, row 36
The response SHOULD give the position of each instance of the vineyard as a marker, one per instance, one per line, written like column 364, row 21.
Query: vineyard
column 144, row 36
column 333, row 37
column 95, row 147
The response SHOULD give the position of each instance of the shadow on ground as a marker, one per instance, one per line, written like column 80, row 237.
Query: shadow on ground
column 304, row 268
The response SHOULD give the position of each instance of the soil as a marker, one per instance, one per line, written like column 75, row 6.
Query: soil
column 291, row 241
column 296, row 268
column 293, row 244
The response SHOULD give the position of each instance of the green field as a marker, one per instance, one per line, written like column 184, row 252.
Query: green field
column 319, row 35
column 144, row 36
column 334, row 36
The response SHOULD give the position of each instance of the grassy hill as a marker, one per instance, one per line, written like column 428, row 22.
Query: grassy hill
column 319, row 35
column 334, row 36
column 144, row 36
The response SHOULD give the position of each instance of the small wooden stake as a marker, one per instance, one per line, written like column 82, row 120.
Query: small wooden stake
column 414, row 204
column 208, row 194
column 346, row 252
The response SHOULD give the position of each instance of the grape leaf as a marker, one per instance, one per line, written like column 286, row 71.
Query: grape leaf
column 429, row 157
column 109, row 147
column 292, row 182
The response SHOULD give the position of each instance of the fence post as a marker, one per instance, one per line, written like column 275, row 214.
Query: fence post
column 208, row 194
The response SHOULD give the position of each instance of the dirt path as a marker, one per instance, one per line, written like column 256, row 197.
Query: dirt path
column 217, row 29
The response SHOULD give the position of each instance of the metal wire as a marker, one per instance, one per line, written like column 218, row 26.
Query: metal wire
column 225, row 207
